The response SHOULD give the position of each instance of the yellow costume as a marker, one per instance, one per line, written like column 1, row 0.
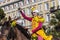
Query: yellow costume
column 35, row 22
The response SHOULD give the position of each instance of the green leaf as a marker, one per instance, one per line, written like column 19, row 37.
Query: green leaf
column 2, row 14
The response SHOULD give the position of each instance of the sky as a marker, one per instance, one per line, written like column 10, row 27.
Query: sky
column 1, row 0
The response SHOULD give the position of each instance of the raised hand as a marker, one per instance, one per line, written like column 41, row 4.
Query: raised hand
column 20, row 9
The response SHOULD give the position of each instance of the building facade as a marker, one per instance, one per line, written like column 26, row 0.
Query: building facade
column 10, row 7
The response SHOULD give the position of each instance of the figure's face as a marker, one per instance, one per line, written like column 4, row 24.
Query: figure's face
column 34, row 14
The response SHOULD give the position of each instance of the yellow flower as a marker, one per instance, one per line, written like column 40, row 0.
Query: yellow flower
column 33, row 8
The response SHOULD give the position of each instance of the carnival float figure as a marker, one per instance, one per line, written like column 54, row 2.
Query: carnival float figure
column 37, row 22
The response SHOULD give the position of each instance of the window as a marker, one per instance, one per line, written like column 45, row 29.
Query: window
column 27, row 10
column 59, row 3
column 6, row 8
column 20, row 4
column 46, row 6
column 33, row 0
column 10, row 7
column 52, row 9
column 27, row 1
column 47, row 17
column 40, row 7
column 53, row 3
column 16, row 5
column 17, row 14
